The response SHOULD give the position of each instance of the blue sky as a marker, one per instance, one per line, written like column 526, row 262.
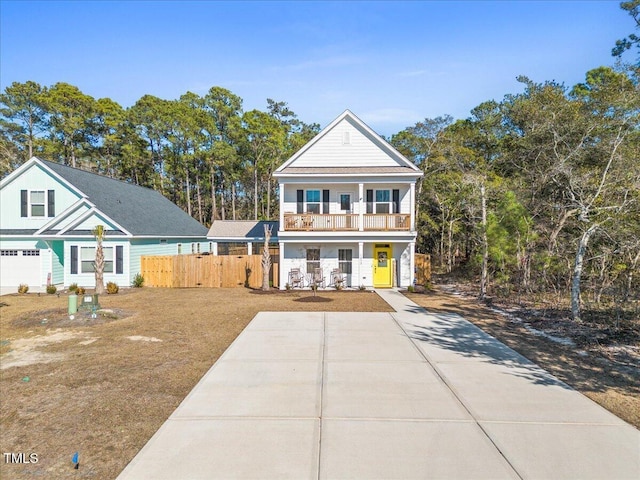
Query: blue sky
column 391, row 63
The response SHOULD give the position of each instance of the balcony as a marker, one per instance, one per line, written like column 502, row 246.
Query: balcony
column 312, row 222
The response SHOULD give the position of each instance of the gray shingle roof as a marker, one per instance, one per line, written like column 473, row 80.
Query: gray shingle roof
column 241, row 229
column 139, row 210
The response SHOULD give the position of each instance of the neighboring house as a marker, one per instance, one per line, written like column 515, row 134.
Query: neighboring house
column 240, row 237
column 347, row 201
column 48, row 212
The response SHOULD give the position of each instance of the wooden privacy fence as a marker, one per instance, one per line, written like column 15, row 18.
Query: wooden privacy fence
column 423, row 269
column 211, row 271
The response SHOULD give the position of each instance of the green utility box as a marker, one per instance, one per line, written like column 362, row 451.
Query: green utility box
column 90, row 302
column 73, row 304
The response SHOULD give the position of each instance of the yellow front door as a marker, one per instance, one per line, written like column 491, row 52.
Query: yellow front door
column 382, row 266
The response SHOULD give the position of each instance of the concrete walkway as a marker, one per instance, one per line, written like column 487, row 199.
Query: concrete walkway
column 403, row 395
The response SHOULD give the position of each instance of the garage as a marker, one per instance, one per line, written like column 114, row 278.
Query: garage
column 20, row 266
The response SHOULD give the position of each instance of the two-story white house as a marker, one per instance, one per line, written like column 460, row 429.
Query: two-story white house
column 347, row 201
column 48, row 212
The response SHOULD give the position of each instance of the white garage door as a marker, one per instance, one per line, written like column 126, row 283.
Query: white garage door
column 19, row 266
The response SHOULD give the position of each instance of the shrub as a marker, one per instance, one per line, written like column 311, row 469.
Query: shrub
column 51, row 289
column 73, row 287
column 112, row 288
column 287, row 286
column 411, row 288
column 23, row 288
column 80, row 290
column 362, row 288
column 138, row 280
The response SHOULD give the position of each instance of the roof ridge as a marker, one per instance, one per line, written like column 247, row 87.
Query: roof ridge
column 99, row 175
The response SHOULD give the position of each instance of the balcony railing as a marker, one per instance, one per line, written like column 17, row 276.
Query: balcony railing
column 387, row 221
column 313, row 222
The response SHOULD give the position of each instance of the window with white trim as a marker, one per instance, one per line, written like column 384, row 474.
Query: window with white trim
column 345, row 260
column 313, row 259
column 88, row 258
column 37, row 203
column 9, row 253
column 382, row 201
column 313, row 201
column 31, row 253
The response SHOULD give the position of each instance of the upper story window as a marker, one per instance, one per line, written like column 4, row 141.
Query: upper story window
column 383, row 201
column 37, row 203
column 313, row 201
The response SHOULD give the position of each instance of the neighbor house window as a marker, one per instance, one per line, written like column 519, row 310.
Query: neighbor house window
column 313, row 259
column 37, row 203
column 83, row 259
column 88, row 258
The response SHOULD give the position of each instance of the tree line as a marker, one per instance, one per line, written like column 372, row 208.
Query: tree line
column 203, row 152
column 536, row 193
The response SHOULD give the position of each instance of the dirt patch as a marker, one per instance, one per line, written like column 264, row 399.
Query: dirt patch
column 28, row 351
column 59, row 317
column 106, row 395
column 316, row 299
column 553, row 343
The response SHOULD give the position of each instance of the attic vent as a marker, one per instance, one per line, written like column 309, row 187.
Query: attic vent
column 346, row 138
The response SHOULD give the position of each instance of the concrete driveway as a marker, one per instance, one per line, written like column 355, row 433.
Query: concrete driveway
column 383, row 395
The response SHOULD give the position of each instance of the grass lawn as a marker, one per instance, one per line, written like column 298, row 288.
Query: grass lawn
column 103, row 386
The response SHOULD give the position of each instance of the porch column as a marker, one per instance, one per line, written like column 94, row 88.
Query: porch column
column 412, row 263
column 412, row 202
column 360, row 255
column 281, row 201
column 281, row 270
column 361, row 210
column 215, row 249
column 249, row 248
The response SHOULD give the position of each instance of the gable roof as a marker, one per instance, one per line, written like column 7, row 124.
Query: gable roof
column 347, row 146
column 237, row 229
column 140, row 211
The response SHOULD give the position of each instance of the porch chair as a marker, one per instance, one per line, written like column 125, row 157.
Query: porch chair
column 296, row 278
column 318, row 278
column 337, row 277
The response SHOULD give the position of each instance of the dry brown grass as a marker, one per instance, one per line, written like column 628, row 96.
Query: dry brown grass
column 105, row 395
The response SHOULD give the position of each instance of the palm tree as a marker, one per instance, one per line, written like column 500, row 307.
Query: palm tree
column 98, row 264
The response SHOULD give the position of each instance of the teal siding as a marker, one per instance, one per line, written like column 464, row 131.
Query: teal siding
column 57, row 262
column 34, row 178
column 154, row 247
